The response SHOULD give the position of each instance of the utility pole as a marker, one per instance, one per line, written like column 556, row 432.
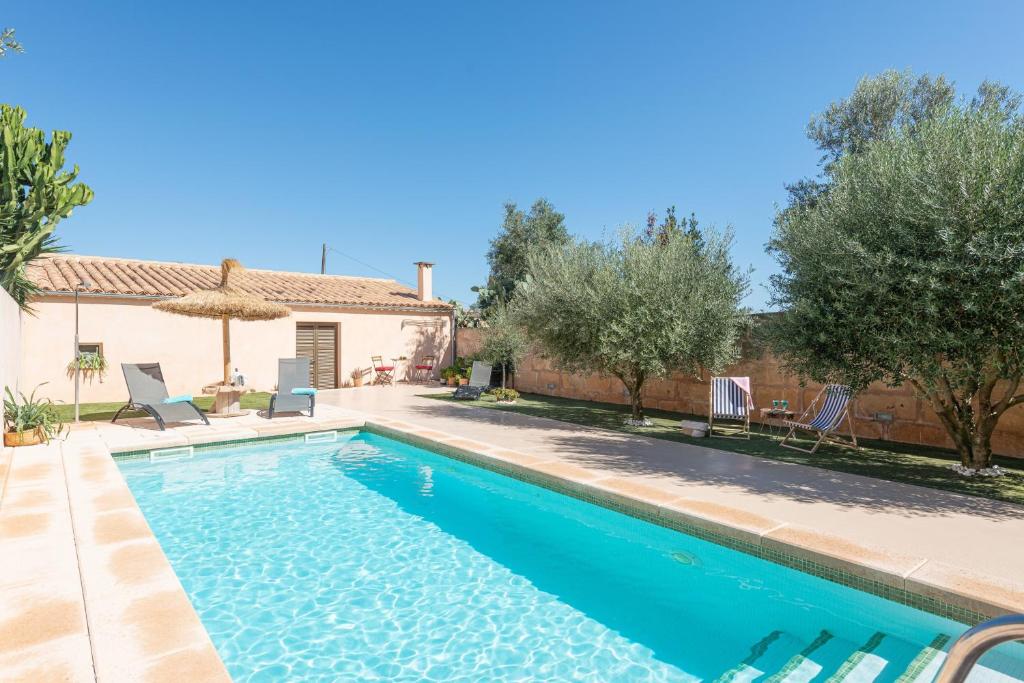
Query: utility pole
column 323, row 260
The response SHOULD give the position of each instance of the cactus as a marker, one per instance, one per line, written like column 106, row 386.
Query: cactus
column 36, row 193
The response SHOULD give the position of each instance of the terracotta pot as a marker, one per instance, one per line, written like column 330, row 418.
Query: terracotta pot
column 452, row 381
column 29, row 437
column 357, row 381
column 463, row 381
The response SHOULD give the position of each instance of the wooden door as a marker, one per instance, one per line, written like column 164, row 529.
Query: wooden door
column 319, row 343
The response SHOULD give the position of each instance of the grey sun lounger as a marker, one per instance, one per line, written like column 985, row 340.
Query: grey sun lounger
column 479, row 382
column 293, row 390
column 147, row 392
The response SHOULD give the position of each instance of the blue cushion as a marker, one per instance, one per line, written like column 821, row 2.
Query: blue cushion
column 304, row 391
column 183, row 398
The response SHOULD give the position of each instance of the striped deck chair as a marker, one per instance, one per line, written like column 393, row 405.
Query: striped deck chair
column 729, row 399
column 834, row 408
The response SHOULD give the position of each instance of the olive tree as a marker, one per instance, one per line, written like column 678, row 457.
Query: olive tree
column 505, row 342
column 910, row 268
column 36, row 193
column 635, row 308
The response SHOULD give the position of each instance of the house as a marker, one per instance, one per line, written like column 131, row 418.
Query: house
column 339, row 322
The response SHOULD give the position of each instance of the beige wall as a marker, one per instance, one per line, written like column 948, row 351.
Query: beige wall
column 10, row 342
column 913, row 420
column 189, row 349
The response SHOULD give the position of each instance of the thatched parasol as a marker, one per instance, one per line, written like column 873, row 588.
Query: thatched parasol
column 225, row 301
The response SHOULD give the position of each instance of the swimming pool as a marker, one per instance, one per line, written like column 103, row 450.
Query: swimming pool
column 373, row 559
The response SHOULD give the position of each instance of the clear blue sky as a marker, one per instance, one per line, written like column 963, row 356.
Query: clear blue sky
column 395, row 131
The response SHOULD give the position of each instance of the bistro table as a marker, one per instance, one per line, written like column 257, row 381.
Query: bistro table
column 773, row 417
column 401, row 370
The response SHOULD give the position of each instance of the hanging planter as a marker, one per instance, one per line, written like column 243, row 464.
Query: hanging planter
column 89, row 365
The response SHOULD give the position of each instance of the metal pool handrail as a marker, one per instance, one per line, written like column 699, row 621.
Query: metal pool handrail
column 969, row 648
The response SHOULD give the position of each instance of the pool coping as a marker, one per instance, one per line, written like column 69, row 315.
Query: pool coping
column 140, row 624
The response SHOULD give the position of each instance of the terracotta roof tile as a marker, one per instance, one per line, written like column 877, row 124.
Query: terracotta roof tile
column 58, row 273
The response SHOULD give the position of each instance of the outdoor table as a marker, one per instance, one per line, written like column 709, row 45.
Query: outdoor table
column 773, row 417
column 226, row 399
column 399, row 363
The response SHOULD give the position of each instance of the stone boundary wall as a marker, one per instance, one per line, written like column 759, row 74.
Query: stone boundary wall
column 912, row 420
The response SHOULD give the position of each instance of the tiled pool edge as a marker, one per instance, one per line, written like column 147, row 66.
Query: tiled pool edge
column 937, row 600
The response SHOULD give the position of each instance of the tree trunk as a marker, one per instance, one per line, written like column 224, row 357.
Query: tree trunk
column 969, row 427
column 634, row 385
column 636, row 401
column 502, row 375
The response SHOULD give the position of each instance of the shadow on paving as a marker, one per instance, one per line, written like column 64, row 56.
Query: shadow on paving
column 726, row 462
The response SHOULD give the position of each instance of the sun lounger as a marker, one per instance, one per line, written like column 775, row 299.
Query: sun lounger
column 729, row 399
column 147, row 392
column 293, row 390
column 479, row 382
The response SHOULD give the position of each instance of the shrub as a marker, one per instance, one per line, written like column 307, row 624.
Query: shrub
column 505, row 395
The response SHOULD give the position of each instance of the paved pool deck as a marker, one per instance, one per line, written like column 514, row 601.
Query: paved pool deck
column 87, row 594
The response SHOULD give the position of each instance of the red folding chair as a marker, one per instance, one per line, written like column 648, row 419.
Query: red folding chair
column 383, row 374
column 424, row 368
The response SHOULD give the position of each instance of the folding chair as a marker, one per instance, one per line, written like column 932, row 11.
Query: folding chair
column 834, row 409
column 729, row 399
column 424, row 368
column 383, row 374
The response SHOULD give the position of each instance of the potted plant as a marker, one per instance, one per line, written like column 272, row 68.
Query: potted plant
column 450, row 375
column 28, row 421
column 89, row 364
column 505, row 395
column 357, row 377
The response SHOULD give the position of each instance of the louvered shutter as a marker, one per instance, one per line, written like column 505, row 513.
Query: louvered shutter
column 326, row 353
column 305, row 347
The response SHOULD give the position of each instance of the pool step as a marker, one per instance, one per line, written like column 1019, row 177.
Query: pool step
column 801, row 667
column 862, row 665
column 766, row 654
column 925, row 665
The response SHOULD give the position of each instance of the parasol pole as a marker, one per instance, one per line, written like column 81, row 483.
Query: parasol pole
column 227, row 349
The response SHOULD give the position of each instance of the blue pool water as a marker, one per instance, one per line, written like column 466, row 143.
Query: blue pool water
column 369, row 559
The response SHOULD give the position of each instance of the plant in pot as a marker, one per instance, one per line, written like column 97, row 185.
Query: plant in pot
column 28, row 421
column 357, row 377
column 505, row 395
column 90, row 364
column 450, row 375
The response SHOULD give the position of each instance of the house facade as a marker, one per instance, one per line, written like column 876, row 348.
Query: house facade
column 339, row 322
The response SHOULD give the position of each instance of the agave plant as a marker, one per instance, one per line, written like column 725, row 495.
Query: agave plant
column 26, row 413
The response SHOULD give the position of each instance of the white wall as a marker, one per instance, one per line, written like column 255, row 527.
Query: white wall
column 189, row 349
column 10, row 343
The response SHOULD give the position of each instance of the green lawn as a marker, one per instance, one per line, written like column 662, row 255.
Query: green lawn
column 884, row 460
column 105, row 411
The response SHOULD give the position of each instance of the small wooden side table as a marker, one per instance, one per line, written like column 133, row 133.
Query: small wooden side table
column 226, row 400
column 773, row 417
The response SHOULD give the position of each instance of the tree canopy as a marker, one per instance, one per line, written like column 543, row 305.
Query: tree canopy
column 634, row 308
column 910, row 266
column 520, row 232
column 36, row 193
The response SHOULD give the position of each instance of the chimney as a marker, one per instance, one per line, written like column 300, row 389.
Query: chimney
column 424, row 281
